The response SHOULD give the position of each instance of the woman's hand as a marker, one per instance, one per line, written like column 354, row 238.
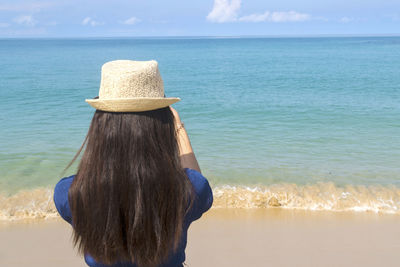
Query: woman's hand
column 176, row 115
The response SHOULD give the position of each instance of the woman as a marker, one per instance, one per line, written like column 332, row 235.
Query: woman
column 138, row 185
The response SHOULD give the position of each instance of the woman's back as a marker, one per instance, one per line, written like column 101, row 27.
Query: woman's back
column 202, row 202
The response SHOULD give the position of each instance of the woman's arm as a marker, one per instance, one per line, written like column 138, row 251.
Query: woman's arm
column 188, row 159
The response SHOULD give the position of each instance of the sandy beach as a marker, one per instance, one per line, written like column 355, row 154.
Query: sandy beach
column 234, row 237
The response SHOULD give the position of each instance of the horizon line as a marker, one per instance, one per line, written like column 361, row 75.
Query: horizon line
column 207, row 36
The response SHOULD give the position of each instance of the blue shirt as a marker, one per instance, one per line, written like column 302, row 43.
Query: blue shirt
column 203, row 201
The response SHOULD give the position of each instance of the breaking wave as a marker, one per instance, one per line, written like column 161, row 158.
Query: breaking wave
column 324, row 197
column 38, row 203
column 28, row 204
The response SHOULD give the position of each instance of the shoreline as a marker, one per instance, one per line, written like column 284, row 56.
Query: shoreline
column 38, row 203
column 235, row 237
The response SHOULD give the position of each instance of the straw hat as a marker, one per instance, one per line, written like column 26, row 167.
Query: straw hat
column 129, row 86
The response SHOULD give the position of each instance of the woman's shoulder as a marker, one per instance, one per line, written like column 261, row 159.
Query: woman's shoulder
column 66, row 181
column 203, row 191
column 61, row 197
column 199, row 182
column 63, row 186
column 195, row 177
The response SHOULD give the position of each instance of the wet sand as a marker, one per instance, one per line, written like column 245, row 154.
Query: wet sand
column 223, row 237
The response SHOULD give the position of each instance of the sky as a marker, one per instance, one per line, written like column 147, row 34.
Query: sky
column 130, row 18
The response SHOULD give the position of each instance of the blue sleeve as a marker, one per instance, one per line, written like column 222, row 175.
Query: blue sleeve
column 61, row 198
column 203, row 194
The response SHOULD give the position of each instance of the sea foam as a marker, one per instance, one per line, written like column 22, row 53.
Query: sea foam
column 321, row 196
column 28, row 204
column 38, row 203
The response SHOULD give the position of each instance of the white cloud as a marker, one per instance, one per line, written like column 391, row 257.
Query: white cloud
column 346, row 20
column 86, row 20
column 26, row 20
column 91, row 22
column 290, row 16
column 227, row 11
column 256, row 17
column 4, row 25
column 224, row 11
column 131, row 21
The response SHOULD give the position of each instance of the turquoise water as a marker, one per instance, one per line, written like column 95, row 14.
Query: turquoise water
column 258, row 110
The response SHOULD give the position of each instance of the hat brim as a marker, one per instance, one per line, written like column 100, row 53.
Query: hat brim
column 132, row 104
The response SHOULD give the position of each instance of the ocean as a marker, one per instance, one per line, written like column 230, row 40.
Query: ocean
column 299, row 123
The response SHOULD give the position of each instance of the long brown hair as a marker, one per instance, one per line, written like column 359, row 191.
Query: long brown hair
column 130, row 195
